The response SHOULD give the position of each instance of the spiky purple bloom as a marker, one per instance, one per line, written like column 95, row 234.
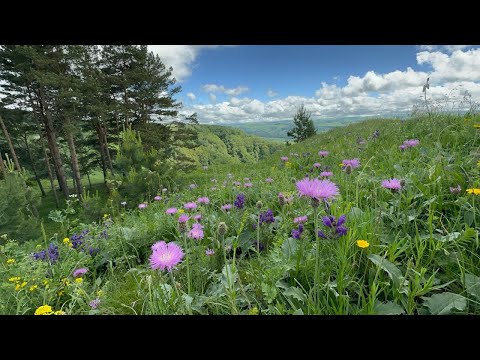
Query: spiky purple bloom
column 354, row 163
column 203, row 200
column 209, row 252
column 165, row 256
column 157, row 198
column 411, row 142
column 190, row 205
column 284, row 158
column 248, row 185
column 182, row 219
column 326, row 173
column 403, row 147
column 267, row 217
column 456, row 190
column 79, row 272
column 323, row 153
column 226, row 207
column 41, row 255
column 94, row 303
column 317, row 165
column 239, row 201
column 171, row 211
column 142, row 206
column 317, row 189
column 268, row 180
column 341, row 220
column 392, row 184
column 196, row 232
column 300, row 219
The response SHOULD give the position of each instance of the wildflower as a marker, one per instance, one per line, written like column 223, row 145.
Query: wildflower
column 105, row 216
column 300, row 219
column 476, row 126
column 171, row 211
column 363, row 244
column 354, row 163
column 392, row 184
column 142, row 206
column 326, row 174
column 196, row 232
column 297, row 233
column 284, row 158
column 79, row 280
column 123, row 203
column 226, row 207
column 281, row 199
column 79, row 272
column 183, row 218
column 164, row 190
column 267, row 217
column 65, row 282
column 239, row 201
column 411, row 143
column 59, row 312
column 268, row 180
column 15, row 279
column 66, row 241
column 203, row 200
column 248, row 185
column 259, row 205
column 455, row 190
column 33, row 288
column 94, row 303
column 237, row 183
column 157, row 198
column 403, row 147
column 222, row 228
column 190, row 205
column 316, row 165
column 197, row 217
column 165, row 256
column 323, row 153
column 209, row 252
column 181, row 211
column 44, row 310
column 473, row 191
column 10, row 261
column 317, row 189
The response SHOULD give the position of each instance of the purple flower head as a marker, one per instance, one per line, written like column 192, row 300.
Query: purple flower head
column 209, row 252
column 79, row 272
column 94, row 303
column 165, row 256
column 284, row 158
column 248, row 185
column 323, row 153
column 317, row 189
column 354, row 163
column 392, row 184
column 190, row 205
column 267, row 217
column 93, row 251
column 157, row 198
column 403, row 147
column 411, row 142
column 196, row 232
column 239, row 201
column 41, row 255
column 316, row 165
column 171, row 211
column 341, row 220
column 326, row 174
column 53, row 253
column 197, row 217
column 226, row 207
column 329, row 221
column 300, row 219
column 203, row 200
column 341, row 230
column 296, row 234
column 237, row 183
column 456, row 190
column 182, row 219
column 322, row 235
column 142, row 206
column 268, row 180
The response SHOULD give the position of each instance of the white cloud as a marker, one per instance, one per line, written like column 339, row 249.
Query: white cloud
column 271, row 93
column 213, row 97
column 191, row 96
column 448, row 48
column 212, row 88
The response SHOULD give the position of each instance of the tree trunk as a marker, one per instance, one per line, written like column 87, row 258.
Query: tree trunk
column 52, row 141
column 50, row 175
column 34, row 168
column 10, row 145
column 73, row 155
column 107, row 151
column 3, row 170
column 102, row 150
column 89, row 181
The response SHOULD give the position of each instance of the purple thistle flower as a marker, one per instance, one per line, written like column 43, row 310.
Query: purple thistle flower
column 79, row 272
column 198, row 217
column 268, row 180
column 323, row 153
column 226, row 207
column 196, row 232
column 411, row 142
column 317, row 189
column 165, row 256
column 94, row 303
column 142, row 206
column 248, row 185
column 403, row 147
column 190, row 205
column 392, row 184
column 182, row 219
column 237, row 183
column 326, row 174
column 171, row 211
column 157, row 198
column 239, row 201
column 209, row 252
column 203, row 200
column 316, row 165
column 354, row 163
column 284, row 158
column 456, row 190
column 300, row 219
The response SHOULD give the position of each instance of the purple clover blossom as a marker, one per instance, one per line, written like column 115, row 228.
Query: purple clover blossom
column 392, row 184
column 203, row 200
column 300, row 219
column 190, row 205
column 248, row 185
column 268, row 180
column 317, row 189
column 317, row 165
column 196, row 232
column 456, row 190
column 209, row 252
column 171, row 211
column 165, row 256
column 354, row 163
column 182, row 219
column 239, row 201
column 284, row 158
column 411, row 142
column 157, row 198
column 326, row 174
column 94, row 303
column 226, row 207
column 142, row 206
column 79, row 272
column 323, row 153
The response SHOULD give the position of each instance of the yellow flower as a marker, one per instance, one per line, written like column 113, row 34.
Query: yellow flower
column 105, row 216
column 66, row 241
column 59, row 312
column 65, row 281
column 363, row 244
column 33, row 287
column 473, row 191
column 23, row 284
column 340, row 164
column 10, row 261
column 476, row 126
column 17, row 287
column 14, row 279
column 181, row 211
column 60, row 293
column 79, row 280
column 44, row 310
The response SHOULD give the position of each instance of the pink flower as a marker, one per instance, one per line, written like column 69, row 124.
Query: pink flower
column 323, row 153
column 411, row 142
column 326, row 174
column 79, row 272
column 317, row 189
column 197, row 218
column 248, row 185
column 317, row 165
column 142, row 206
column 190, row 205
column 300, row 219
column 284, row 158
column 354, row 163
column 203, row 200
column 94, row 303
column 183, row 218
column 157, row 198
column 171, row 211
column 226, row 207
column 165, row 256
column 392, row 184
column 403, row 147
column 196, row 232
column 209, row 252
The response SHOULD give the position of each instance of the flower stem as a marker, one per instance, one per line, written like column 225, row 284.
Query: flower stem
column 317, row 257
column 188, row 263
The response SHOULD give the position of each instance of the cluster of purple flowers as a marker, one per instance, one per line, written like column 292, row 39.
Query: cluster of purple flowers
column 267, row 217
column 297, row 233
column 336, row 226
column 409, row 143
column 239, row 201
column 77, row 240
column 354, row 163
column 51, row 254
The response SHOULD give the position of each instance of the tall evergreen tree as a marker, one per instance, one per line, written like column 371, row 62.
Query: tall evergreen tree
column 303, row 125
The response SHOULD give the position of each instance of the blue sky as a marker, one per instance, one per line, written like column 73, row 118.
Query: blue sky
column 259, row 82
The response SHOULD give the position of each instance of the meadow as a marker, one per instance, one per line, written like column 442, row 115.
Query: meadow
column 377, row 217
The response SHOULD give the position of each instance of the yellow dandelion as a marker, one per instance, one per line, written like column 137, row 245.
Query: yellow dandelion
column 473, row 191
column 79, row 280
column 181, row 211
column 66, row 241
column 33, row 287
column 44, row 310
column 59, row 312
column 14, row 279
column 363, row 244
column 10, row 261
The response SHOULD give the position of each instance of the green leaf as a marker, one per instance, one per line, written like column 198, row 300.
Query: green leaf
column 393, row 272
column 289, row 247
column 388, row 308
column 296, row 293
column 444, row 303
column 472, row 285
column 269, row 292
column 298, row 312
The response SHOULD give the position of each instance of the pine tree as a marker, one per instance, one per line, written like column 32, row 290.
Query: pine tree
column 303, row 125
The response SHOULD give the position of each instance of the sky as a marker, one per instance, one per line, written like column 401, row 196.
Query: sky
column 249, row 83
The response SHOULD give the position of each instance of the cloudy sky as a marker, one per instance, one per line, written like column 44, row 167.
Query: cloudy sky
column 260, row 82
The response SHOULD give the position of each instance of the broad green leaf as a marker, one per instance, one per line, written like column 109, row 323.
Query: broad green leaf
column 472, row 285
column 289, row 247
column 444, row 303
column 296, row 293
column 388, row 308
column 393, row 272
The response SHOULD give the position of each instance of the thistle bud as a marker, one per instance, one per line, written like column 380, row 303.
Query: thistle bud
column 222, row 229
column 281, row 199
column 402, row 182
column 259, row 205
column 348, row 169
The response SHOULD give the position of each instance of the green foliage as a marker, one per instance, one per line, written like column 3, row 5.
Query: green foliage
column 303, row 125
